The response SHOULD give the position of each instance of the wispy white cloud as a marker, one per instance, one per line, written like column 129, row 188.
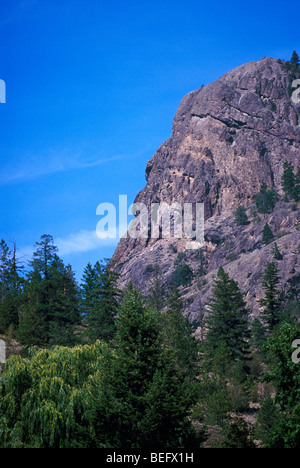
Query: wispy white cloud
column 33, row 167
column 83, row 241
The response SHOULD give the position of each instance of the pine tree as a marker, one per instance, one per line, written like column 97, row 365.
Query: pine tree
column 237, row 434
column 146, row 401
column 266, row 200
column 228, row 320
column 156, row 296
column 276, row 253
column 241, row 217
column 63, row 304
column 4, row 266
column 49, row 313
column 182, row 276
column 291, row 182
column 272, row 301
column 258, row 335
column 88, row 289
column 288, row 180
column 11, row 284
column 4, row 262
column 100, row 298
column 44, row 256
column 267, row 234
column 179, row 336
column 295, row 61
column 268, row 420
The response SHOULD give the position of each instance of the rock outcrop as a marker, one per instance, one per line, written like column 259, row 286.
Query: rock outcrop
column 228, row 138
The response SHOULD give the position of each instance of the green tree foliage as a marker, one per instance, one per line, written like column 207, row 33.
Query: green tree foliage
column 295, row 61
column 146, row 386
column 276, row 253
column 241, row 217
column 49, row 311
column 45, row 399
column 88, row 289
column 130, row 394
column 182, row 276
column 157, row 294
column 100, row 300
column 268, row 419
column 11, row 285
column 179, row 336
column 228, row 320
column 284, row 374
column 266, row 200
column 267, row 234
column 258, row 336
column 145, row 400
column 293, row 64
column 236, row 434
column 291, row 182
column 272, row 302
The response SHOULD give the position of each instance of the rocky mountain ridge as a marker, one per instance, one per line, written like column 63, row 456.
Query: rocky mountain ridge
column 228, row 138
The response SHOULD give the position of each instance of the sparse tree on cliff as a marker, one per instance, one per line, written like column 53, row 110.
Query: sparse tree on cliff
column 295, row 60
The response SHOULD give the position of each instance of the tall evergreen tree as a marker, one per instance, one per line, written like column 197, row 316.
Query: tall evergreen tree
column 11, row 284
column 4, row 267
column 146, row 401
column 241, row 217
column 276, row 253
column 291, row 182
column 267, row 234
column 49, row 313
column 288, row 180
column 272, row 301
column 295, row 61
column 88, row 288
column 4, row 264
column 258, row 335
column 179, row 336
column 156, row 296
column 63, row 304
column 100, row 298
column 228, row 320
column 44, row 256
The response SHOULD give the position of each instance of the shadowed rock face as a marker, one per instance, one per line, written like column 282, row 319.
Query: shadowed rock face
column 228, row 138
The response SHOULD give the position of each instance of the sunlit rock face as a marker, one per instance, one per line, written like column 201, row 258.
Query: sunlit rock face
column 228, row 138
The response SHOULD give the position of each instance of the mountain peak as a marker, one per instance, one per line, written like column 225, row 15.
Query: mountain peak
column 228, row 138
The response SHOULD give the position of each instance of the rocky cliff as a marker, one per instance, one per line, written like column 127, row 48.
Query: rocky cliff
column 228, row 138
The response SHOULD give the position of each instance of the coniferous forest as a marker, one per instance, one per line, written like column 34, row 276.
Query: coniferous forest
column 94, row 367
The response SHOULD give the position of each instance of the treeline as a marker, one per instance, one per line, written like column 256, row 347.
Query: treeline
column 45, row 306
column 39, row 307
column 105, row 368
column 135, row 387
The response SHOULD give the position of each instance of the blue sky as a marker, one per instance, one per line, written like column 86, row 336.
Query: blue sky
column 92, row 88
